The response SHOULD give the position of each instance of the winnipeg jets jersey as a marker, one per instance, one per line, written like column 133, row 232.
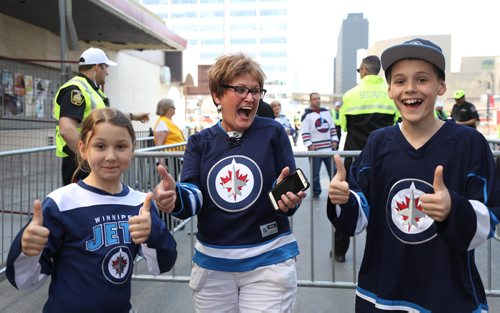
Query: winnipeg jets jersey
column 90, row 253
column 318, row 129
column 226, row 180
column 411, row 262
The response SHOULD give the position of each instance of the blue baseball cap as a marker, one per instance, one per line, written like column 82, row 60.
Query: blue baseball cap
column 417, row 48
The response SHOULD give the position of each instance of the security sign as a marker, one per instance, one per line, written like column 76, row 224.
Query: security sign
column 405, row 215
column 234, row 183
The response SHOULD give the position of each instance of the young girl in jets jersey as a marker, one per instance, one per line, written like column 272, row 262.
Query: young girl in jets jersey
column 86, row 235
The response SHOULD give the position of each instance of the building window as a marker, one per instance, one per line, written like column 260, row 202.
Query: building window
column 244, row 13
column 210, row 55
column 273, row 54
column 211, row 28
column 212, row 14
column 273, row 12
column 238, row 27
column 279, row 40
column 243, row 41
column 183, row 1
column 212, row 41
column 184, row 14
column 184, row 28
column 153, row 2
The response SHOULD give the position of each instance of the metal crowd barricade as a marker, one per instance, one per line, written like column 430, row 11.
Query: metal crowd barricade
column 33, row 173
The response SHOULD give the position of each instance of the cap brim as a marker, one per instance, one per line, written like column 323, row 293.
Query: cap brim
column 406, row 51
column 111, row 63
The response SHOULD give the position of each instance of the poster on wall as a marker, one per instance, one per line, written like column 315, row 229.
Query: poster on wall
column 19, row 89
column 41, row 96
column 8, row 82
column 29, row 103
column 12, row 103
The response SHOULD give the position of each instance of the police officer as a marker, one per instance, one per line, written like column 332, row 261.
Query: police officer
column 73, row 103
column 464, row 112
column 365, row 107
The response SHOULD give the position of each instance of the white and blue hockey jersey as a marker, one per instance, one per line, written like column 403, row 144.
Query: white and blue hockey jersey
column 90, row 253
column 318, row 129
column 225, row 181
column 411, row 262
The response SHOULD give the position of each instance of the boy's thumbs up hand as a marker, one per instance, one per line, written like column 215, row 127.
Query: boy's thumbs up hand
column 35, row 235
column 437, row 205
column 140, row 225
column 338, row 190
column 165, row 194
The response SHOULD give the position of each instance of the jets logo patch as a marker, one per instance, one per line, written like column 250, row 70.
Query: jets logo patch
column 234, row 183
column 117, row 264
column 405, row 216
column 77, row 97
column 322, row 125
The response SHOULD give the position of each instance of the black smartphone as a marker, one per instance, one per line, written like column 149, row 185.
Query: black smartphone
column 294, row 182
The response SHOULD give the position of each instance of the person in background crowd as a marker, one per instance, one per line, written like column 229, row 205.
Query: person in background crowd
column 276, row 106
column 425, row 190
column 318, row 134
column 464, row 112
column 244, row 258
column 336, row 118
column 265, row 109
column 165, row 130
column 439, row 112
column 86, row 235
column 74, row 101
column 365, row 107
column 296, row 125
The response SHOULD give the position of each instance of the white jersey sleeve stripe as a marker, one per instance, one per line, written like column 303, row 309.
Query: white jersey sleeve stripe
column 28, row 272
column 151, row 259
column 483, row 226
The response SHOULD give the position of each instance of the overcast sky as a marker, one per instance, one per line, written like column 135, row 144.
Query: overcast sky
column 474, row 26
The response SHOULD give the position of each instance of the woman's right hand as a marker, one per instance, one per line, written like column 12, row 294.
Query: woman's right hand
column 35, row 235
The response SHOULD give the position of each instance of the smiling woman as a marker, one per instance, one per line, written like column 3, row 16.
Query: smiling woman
column 242, row 241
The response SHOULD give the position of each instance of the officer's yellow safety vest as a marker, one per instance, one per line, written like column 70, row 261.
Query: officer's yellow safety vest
column 94, row 99
column 369, row 97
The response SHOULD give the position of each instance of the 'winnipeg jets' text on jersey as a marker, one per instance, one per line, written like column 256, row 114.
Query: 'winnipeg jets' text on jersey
column 90, row 253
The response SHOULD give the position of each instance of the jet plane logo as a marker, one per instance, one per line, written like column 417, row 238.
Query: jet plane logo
column 322, row 125
column 405, row 215
column 234, row 183
column 116, row 265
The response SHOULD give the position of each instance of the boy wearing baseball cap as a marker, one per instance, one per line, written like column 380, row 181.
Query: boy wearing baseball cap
column 424, row 191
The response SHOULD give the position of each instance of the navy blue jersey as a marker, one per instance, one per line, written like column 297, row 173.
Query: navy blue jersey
column 90, row 253
column 412, row 262
column 226, row 182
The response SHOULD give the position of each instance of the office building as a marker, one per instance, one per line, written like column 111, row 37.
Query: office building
column 216, row 27
column 353, row 35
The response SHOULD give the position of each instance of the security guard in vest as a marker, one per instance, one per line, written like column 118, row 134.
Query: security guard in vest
column 365, row 108
column 73, row 103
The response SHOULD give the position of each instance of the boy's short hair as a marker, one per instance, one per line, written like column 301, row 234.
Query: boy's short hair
column 417, row 48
